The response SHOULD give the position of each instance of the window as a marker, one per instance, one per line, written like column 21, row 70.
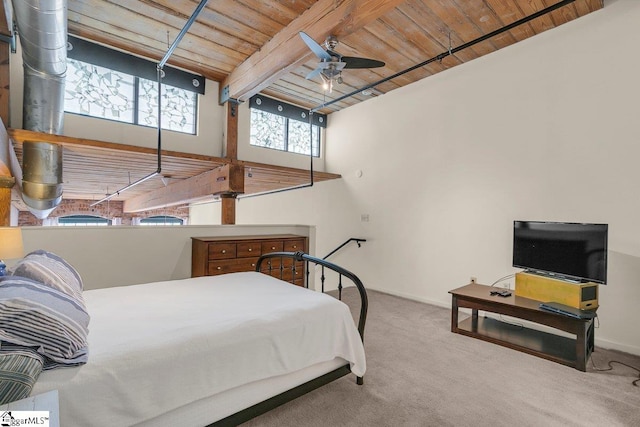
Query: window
column 161, row 220
column 82, row 220
column 284, row 127
column 96, row 91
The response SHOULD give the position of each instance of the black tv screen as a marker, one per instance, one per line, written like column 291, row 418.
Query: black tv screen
column 565, row 250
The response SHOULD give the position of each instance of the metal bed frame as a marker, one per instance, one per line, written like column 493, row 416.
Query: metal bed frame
column 289, row 395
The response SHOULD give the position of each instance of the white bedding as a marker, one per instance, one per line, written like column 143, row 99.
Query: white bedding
column 160, row 346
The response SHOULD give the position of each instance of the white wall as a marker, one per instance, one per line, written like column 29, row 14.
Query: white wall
column 543, row 130
column 118, row 256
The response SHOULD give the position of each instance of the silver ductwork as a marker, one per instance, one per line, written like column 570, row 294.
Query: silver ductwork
column 42, row 27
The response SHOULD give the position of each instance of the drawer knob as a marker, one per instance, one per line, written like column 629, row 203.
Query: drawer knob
column 219, row 268
column 250, row 249
column 224, row 251
column 273, row 248
column 253, row 265
column 295, row 247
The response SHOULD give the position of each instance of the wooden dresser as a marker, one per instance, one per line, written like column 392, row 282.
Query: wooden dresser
column 219, row 255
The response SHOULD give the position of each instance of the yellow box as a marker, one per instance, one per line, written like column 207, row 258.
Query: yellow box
column 578, row 295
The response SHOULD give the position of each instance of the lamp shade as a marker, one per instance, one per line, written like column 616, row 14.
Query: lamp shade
column 11, row 243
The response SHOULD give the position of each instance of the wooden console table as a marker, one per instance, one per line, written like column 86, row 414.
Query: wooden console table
column 572, row 352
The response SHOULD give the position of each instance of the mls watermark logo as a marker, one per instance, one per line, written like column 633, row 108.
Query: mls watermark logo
column 24, row 418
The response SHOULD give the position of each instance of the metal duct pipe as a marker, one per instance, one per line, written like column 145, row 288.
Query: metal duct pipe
column 42, row 27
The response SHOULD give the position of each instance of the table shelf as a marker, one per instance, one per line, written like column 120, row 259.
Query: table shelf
column 569, row 351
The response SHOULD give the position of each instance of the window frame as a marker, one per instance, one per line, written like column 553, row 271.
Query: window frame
column 137, row 67
column 136, row 103
column 288, row 112
column 154, row 220
column 82, row 220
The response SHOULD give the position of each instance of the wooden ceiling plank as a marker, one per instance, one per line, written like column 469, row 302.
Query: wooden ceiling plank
column 153, row 44
column 458, row 27
column 278, row 11
column 217, row 18
column 176, row 16
column 485, row 19
column 251, row 16
column 420, row 46
column 511, row 11
column 395, row 60
column 285, row 50
column 435, row 29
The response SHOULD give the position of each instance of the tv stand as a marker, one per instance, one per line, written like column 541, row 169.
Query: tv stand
column 572, row 352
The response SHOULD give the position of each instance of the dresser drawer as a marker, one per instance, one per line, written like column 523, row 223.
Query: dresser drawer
column 219, row 255
column 272, row 246
column 222, row 250
column 294, row 245
column 248, row 249
column 231, row 265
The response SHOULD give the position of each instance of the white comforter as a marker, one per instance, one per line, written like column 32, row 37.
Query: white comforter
column 159, row 346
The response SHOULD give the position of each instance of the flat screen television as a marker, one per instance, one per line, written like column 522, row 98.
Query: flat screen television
column 568, row 251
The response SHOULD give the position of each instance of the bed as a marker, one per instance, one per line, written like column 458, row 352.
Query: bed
column 215, row 349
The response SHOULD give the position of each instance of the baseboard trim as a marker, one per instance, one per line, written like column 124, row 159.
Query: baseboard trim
column 412, row 297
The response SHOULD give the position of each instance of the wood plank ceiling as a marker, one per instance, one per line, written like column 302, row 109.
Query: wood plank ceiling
column 251, row 46
column 254, row 45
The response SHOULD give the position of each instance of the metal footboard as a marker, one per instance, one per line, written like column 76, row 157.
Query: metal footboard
column 280, row 270
column 266, row 264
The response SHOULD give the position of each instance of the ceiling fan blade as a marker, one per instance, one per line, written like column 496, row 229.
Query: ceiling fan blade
column 314, row 73
column 355, row 62
column 315, row 47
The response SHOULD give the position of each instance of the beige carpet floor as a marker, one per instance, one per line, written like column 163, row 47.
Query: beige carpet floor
column 421, row 374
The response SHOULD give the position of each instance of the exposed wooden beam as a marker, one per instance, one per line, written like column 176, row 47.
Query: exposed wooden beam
column 286, row 50
column 228, row 209
column 225, row 179
column 232, row 131
column 28, row 135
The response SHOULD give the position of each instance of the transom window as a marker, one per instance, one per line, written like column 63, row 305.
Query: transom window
column 161, row 220
column 96, row 91
column 82, row 220
column 285, row 127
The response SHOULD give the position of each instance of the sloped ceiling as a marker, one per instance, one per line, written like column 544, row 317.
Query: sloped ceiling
column 253, row 46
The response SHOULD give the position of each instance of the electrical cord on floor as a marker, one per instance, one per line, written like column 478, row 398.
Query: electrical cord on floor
column 610, row 368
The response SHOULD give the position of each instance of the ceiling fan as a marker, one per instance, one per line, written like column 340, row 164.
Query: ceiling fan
column 332, row 63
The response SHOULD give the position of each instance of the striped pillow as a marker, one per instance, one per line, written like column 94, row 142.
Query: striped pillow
column 52, row 270
column 19, row 371
column 43, row 318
